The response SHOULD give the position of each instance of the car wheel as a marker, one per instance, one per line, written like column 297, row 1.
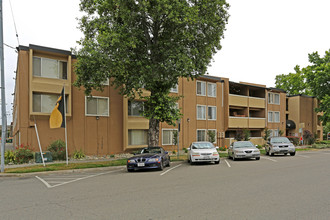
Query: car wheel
column 257, row 158
column 285, row 154
column 190, row 161
column 161, row 165
column 129, row 170
column 271, row 154
column 233, row 157
column 292, row 154
column 267, row 153
column 169, row 163
column 217, row 162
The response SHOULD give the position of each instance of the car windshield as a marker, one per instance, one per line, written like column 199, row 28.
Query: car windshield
column 151, row 150
column 202, row 145
column 277, row 140
column 243, row 144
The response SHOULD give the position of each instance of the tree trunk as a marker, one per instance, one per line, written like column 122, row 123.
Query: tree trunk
column 153, row 133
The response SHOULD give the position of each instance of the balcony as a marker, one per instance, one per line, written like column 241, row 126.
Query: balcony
column 257, row 102
column 238, row 122
column 257, row 122
column 238, row 100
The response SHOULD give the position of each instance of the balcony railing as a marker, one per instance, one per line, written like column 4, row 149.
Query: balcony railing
column 246, row 122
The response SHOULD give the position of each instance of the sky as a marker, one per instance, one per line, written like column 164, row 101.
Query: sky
column 262, row 38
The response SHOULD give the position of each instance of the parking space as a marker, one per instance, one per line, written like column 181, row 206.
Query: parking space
column 60, row 179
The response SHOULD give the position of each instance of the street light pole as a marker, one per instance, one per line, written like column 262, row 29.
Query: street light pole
column 3, row 97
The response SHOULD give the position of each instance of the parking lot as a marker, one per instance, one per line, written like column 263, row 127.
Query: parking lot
column 277, row 187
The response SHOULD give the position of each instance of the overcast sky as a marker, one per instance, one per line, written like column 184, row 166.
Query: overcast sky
column 263, row 38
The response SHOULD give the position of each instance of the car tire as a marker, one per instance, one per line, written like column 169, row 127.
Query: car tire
column 267, row 153
column 217, row 162
column 233, row 157
column 161, row 165
column 285, row 154
column 271, row 154
column 292, row 154
column 129, row 170
column 190, row 161
column 169, row 163
column 257, row 158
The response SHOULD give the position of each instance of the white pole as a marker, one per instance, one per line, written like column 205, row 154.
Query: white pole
column 66, row 136
column 3, row 96
column 42, row 156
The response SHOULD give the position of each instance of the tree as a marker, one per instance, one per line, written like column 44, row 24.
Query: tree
column 246, row 134
column 293, row 83
column 150, row 44
column 311, row 80
column 239, row 136
column 266, row 134
column 211, row 136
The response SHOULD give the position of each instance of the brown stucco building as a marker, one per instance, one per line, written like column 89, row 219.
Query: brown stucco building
column 108, row 123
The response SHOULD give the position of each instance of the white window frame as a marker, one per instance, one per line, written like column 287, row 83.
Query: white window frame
column 202, row 82
column 175, row 89
column 272, row 118
column 215, row 89
column 41, row 102
column 171, row 138
column 215, row 113
column 215, row 136
column 271, row 98
column 205, row 136
column 274, row 133
column 97, row 97
column 58, row 69
column 204, row 112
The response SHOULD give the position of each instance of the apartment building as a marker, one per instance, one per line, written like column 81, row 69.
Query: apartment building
column 109, row 123
column 301, row 115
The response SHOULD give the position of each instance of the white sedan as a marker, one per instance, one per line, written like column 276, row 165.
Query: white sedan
column 243, row 149
column 203, row 152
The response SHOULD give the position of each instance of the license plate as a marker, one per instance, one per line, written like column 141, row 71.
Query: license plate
column 248, row 155
column 206, row 157
column 140, row 164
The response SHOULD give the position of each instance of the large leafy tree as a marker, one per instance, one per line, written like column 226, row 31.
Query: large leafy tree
column 311, row 80
column 149, row 44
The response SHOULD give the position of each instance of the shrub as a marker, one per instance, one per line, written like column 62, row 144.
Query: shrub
column 246, row 134
column 78, row 154
column 259, row 146
column 10, row 157
column 185, row 150
column 222, row 148
column 23, row 154
column 57, row 149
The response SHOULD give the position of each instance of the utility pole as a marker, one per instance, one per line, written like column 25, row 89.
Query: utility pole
column 3, row 97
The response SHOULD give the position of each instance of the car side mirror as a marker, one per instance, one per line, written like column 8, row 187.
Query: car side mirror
column 188, row 148
column 166, row 152
column 216, row 147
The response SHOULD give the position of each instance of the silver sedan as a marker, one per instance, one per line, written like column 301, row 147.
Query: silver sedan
column 243, row 149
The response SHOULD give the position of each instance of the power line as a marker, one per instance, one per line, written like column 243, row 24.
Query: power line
column 11, row 8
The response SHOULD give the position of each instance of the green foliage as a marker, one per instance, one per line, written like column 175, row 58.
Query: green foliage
column 185, row 150
column 294, row 140
column 10, row 156
column 311, row 80
column 57, row 149
column 149, row 44
column 293, row 83
column 211, row 136
column 78, row 154
column 23, row 154
column 280, row 133
column 246, row 134
column 222, row 148
column 260, row 147
column 239, row 136
column 266, row 134
column 308, row 137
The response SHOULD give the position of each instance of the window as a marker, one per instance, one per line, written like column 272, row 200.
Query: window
column 201, row 89
column 167, row 136
column 45, row 103
column 97, row 106
column 273, row 116
column 135, row 108
column 137, row 137
column 274, row 98
column 212, row 132
column 49, row 68
column 175, row 89
column 211, row 89
column 201, row 135
column 212, row 113
column 274, row 133
column 201, row 112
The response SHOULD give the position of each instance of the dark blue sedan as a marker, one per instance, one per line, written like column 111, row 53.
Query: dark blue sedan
column 149, row 158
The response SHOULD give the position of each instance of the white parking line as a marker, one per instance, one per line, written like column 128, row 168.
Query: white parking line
column 71, row 181
column 303, row 156
column 170, row 169
column 227, row 163
column 269, row 159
